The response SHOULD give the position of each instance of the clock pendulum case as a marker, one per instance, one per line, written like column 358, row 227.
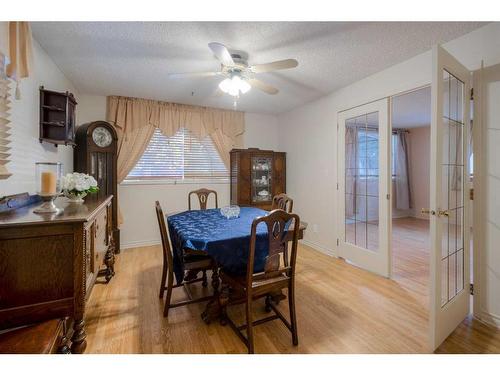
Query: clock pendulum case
column 96, row 154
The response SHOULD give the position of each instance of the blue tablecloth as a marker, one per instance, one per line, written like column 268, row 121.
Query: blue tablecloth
column 226, row 240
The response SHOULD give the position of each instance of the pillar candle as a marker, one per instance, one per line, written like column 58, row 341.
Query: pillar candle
column 48, row 183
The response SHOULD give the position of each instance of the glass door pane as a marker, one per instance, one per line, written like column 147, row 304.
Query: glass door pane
column 361, row 188
column 261, row 179
column 452, row 188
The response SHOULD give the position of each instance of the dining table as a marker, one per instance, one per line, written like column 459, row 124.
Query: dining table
column 226, row 240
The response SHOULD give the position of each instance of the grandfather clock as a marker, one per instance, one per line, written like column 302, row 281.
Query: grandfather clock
column 96, row 154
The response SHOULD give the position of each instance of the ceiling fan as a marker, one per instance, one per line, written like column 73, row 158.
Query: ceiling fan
column 239, row 76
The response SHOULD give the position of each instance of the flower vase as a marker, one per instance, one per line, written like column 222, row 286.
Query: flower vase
column 75, row 197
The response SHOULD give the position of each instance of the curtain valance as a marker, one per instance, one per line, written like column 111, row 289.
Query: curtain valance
column 136, row 119
column 129, row 114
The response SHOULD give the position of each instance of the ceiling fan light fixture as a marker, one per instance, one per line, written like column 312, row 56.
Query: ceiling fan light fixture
column 244, row 87
column 233, row 86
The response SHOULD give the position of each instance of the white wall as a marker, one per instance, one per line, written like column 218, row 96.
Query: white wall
column 139, row 227
column 487, row 190
column 308, row 133
column 91, row 108
column 26, row 148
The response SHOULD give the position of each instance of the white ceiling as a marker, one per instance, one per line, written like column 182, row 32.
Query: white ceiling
column 134, row 58
column 412, row 110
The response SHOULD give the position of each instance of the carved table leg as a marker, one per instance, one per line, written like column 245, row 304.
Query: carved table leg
column 79, row 338
column 223, row 302
column 191, row 275
column 216, row 307
column 63, row 347
column 213, row 310
column 215, row 279
column 109, row 261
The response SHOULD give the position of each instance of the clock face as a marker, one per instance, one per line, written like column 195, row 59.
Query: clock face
column 102, row 137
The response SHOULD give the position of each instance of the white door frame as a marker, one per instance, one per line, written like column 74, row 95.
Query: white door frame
column 375, row 261
column 481, row 78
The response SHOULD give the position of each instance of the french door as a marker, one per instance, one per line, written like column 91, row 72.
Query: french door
column 450, row 259
column 363, row 186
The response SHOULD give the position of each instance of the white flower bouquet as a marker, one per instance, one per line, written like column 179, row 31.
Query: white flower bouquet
column 76, row 186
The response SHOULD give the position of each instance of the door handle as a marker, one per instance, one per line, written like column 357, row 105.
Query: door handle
column 427, row 211
column 443, row 213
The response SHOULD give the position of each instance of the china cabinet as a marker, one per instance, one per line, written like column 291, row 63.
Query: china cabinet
column 256, row 176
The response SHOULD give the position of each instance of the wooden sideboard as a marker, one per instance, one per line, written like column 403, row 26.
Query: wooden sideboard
column 49, row 263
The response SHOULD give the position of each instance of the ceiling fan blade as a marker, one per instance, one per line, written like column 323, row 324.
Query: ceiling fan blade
column 276, row 65
column 220, row 51
column 192, row 75
column 268, row 89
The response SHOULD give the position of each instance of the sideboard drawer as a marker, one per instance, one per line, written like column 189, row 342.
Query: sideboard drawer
column 101, row 222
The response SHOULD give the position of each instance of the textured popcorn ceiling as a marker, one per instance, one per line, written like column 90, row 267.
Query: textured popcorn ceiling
column 134, row 58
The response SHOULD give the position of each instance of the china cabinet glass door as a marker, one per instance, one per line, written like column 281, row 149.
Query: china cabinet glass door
column 261, row 179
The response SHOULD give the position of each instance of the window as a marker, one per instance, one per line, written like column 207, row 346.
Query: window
column 179, row 157
column 368, row 153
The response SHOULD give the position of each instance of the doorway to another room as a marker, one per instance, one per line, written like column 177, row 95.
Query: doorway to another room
column 410, row 184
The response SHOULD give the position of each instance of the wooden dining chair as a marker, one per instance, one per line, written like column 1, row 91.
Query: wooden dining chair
column 278, row 274
column 194, row 262
column 282, row 202
column 203, row 195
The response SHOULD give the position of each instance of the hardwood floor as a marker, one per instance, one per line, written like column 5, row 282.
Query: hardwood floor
column 410, row 256
column 340, row 308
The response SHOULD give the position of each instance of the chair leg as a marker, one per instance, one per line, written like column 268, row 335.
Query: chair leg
column 293, row 316
column 249, row 326
column 204, row 277
column 163, row 279
column 170, row 287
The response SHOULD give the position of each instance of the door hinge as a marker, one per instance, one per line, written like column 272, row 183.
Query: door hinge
column 388, row 196
column 337, row 186
column 471, row 289
column 338, row 242
column 471, row 194
column 472, row 94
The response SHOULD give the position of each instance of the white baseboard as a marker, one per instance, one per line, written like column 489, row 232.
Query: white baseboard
column 320, row 248
column 489, row 319
column 142, row 243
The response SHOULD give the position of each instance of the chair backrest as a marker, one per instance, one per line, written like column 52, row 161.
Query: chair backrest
column 282, row 202
column 167, row 251
column 279, row 223
column 202, row 197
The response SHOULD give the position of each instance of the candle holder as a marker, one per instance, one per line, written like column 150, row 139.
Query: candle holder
column 48, row 186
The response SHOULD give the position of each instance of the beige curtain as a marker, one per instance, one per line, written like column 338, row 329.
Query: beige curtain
column 352, row 171
column 16, row 45
column 402, row 178
column 136, row 119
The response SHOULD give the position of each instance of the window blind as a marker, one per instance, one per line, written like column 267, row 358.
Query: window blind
column 179, row 157
column 4, row 120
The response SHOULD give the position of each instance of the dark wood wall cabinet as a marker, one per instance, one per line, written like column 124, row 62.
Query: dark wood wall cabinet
column 256, row 176
column 57, row 117
column 96, row 154
column 48, row 264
